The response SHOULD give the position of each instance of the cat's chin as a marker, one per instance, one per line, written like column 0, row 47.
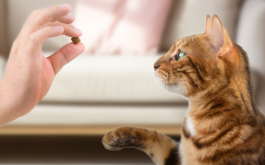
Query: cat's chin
column 174, row 88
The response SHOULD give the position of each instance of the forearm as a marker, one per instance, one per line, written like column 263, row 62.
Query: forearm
column 7, row 116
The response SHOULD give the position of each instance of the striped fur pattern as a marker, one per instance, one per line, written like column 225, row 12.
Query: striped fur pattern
column 223, row 125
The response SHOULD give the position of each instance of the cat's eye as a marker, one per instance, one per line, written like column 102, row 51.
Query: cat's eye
column 179, row 56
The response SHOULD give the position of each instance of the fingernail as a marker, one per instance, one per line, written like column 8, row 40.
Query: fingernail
column 78, row 31
column 59, row 28
column 64, row 6
column 71, row 16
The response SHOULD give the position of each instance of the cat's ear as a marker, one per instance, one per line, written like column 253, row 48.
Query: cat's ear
column 222, row 43
column 216, row 33
column 208, row 23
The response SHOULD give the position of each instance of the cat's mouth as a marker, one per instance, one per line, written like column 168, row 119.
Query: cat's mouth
column 163, row 76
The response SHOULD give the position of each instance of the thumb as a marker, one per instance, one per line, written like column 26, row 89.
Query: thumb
column 65, row 55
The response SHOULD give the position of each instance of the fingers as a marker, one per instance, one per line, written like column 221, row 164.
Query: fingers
column 69, row 30
column 69, row 18
column 65, row 55
column 53, row 29
column 41, row 17
column 36, row 39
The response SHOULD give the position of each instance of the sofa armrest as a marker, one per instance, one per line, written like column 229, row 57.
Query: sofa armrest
column 251, row 36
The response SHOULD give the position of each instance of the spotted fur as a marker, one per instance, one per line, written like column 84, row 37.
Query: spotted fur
column 223, row 125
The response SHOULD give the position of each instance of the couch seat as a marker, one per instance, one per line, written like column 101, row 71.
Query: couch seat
column 106, row 78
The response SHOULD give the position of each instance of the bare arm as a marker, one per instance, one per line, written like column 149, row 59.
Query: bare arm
column 29, row 75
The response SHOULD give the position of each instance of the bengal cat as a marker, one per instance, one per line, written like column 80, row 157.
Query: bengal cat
column 223, row 125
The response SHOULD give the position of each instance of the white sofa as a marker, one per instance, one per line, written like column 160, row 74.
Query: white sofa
column 105, row 91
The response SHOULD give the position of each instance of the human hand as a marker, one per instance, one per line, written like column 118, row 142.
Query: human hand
column 29, row 75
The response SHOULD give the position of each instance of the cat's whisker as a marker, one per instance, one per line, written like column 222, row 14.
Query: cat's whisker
column 165, row 82
column 167, row 85
column 173, row 83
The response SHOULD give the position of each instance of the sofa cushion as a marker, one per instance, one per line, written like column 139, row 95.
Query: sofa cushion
column 188, row 18
column 91, row 78
column 59, row 115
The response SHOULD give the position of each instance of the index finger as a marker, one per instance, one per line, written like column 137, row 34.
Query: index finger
column 41, row 17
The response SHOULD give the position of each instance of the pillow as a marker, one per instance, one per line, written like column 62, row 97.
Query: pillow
column 188, row 18
column 121, row 27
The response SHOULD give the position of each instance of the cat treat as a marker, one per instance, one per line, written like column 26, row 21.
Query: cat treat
column 75, row 40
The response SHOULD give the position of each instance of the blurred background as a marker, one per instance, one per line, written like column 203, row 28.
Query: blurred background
column 112, row 83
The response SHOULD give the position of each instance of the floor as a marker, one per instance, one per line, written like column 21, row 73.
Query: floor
column 70, row 150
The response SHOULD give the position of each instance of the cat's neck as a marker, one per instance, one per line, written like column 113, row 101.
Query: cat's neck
column 222, row 98
column 237, row 93
column 243, row 82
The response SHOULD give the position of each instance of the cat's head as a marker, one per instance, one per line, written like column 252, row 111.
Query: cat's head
column 196, row 63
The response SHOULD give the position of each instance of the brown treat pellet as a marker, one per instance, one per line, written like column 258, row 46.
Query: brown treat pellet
column 75, row 40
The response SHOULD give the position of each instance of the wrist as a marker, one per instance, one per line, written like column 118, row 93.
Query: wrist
column 8, row 111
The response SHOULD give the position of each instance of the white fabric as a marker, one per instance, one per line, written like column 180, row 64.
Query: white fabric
column 108, row 78
column 103, row 115
column 188, row 18
column 251, row 36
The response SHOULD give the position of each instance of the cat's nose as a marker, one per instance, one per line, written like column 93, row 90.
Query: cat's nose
column 156, row 66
